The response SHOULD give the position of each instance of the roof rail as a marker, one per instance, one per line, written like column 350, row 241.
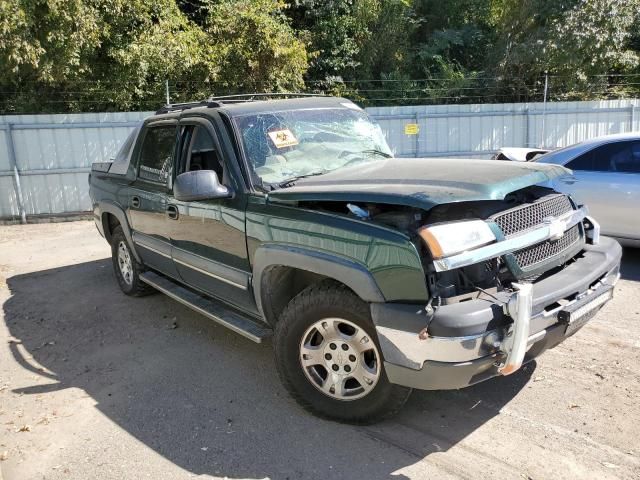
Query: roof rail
column 176, row 107
column 248, row 97
column 238, row 98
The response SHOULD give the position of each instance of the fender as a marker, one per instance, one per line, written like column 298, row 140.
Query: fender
column 117, row 211
column 352, row 274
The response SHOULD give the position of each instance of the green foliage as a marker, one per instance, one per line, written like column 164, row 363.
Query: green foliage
column 345, row 36
column 453, row 38
column 575, row 41
column 255, row 46
column 388, row 50
column 164, row 44
column 583, row 36
column 93, row 55
column 116, row 54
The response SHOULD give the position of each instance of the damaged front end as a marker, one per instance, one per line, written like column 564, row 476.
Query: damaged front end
column 501, row 295
column 505, row 279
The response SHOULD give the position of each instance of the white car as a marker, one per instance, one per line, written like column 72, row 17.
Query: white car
column 517, row 154
column 606, row 178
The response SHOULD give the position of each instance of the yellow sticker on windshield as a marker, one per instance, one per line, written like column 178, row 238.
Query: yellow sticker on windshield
column 283, row 138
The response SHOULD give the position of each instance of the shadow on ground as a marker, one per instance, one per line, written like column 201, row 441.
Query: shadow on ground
column 208, row 400
column 630, row 269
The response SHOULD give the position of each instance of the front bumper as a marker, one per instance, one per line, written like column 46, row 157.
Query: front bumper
column 466, row 342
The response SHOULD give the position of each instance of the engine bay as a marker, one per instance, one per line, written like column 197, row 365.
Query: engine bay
column 452, row 286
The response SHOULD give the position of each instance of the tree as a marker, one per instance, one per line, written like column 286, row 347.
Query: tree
column 256, row 48
column 452, row 38
column 575, row 40
column 350, row 39
column 116, row 54
column 77, row 55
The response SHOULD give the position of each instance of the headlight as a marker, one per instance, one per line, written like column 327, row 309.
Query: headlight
column 450, row 238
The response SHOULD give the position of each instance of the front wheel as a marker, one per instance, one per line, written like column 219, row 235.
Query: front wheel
column 329, row 359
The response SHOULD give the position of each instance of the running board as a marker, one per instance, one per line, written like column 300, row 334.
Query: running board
column 209, row 308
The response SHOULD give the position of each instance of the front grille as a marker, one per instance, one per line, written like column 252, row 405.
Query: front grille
column 531, row 215
column 530, row 256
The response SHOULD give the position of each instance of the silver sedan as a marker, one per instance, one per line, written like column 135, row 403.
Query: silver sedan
column 606, row 178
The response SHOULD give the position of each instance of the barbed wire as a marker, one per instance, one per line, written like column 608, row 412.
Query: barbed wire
column 534, row 89
column 338, row 80
column 34, row 96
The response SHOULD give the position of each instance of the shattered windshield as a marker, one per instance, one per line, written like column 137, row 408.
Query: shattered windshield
column 284, row 146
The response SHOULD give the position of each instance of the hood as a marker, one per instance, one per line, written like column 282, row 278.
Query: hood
column 420, row 182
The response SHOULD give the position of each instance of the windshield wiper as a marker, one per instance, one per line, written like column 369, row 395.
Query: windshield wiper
column 377, row 152
column 290, row 181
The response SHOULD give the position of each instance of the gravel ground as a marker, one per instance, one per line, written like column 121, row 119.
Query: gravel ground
column 94, row 384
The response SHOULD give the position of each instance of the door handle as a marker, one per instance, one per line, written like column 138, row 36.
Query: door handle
column 569, row 180
column 135, row 202
column 172, row 212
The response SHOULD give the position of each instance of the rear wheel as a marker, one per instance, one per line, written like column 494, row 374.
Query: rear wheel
column 126, row 268
column 329, row 359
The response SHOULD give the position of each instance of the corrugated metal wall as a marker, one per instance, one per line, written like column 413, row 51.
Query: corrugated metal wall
column 50, row 155
column 479, row 130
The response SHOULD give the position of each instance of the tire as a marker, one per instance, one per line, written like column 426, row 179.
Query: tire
column 128, row 276
column 341, row 383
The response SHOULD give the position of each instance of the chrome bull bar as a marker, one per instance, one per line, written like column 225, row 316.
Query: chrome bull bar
column 516, row 341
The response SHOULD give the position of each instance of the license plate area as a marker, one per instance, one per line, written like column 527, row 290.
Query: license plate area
column 578, row 314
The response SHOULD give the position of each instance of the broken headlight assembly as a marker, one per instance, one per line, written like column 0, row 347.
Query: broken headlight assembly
column 446, row 239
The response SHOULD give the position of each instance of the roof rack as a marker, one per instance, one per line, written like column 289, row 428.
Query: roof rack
column 248, row 97
column 176, row 107
column 213, row 102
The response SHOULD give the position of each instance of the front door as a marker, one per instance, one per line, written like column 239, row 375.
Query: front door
column 208, row 237
column 148, row 212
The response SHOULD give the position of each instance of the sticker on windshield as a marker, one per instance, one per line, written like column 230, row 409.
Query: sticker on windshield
column 283, row 138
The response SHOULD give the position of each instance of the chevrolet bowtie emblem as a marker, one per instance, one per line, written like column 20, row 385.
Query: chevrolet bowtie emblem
column 556, row 226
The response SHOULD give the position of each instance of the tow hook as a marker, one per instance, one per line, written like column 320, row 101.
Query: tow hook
column 515, row 343
column 429, row 312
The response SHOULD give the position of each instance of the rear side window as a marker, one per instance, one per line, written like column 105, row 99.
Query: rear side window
column 156, row 154
column 628, row 160
column 612, row 157
column 121, row 161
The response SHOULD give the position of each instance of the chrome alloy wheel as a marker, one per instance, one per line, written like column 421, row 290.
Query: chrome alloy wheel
column 340, row 359
column 124, row 262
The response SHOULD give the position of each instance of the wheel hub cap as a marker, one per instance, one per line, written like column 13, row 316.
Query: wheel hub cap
column 340, row 359
column 124, row 263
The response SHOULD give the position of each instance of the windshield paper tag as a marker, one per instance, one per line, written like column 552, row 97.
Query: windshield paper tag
column 283, row 138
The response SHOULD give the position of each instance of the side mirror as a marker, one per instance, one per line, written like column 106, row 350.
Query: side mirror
column 199, row 185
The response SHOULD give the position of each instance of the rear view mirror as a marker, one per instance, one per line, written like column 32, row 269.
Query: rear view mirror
column 199, row 185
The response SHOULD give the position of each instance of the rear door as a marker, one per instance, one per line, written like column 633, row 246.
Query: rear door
column 607, row 180
column 208, row 237
column 148, row 213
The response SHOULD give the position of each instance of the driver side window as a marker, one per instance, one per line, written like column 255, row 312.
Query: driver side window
column 199, row 152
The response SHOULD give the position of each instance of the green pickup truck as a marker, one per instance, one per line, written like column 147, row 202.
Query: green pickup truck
column 290, row 218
